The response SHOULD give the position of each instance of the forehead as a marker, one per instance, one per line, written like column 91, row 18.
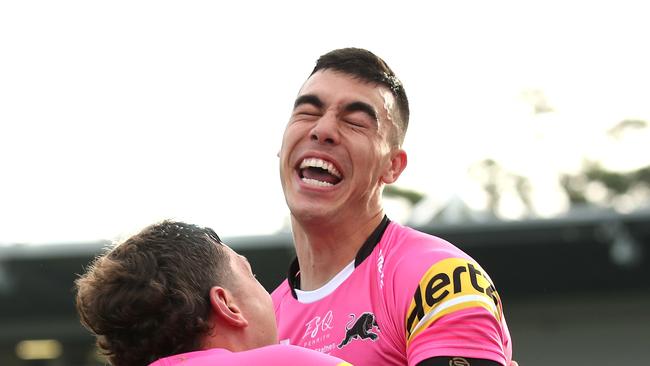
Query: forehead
column 234, row 256
column 230, row 253
column 334, row 87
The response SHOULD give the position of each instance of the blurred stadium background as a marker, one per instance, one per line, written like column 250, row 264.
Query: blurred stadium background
column 576, row 289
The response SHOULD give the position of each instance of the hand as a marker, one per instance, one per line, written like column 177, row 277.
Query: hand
column 514, row 363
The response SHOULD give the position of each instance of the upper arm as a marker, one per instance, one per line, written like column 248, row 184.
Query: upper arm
column 453, row 309
column 457, row 361
column 448, row 286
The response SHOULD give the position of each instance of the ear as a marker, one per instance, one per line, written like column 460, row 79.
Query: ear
column 225, row 308
column 398, row 162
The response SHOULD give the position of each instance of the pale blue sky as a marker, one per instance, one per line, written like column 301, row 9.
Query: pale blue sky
column 117, row 114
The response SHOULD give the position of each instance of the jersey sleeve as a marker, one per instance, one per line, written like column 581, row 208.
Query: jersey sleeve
column 448, row 306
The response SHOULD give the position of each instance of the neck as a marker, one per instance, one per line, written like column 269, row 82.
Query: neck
column 324, row 248
column 234, row 339
column 224, row 339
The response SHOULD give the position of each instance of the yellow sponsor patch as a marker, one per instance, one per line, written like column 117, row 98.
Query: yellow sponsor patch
column 450, row 285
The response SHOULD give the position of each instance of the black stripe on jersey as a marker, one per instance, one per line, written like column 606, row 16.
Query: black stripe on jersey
column 293, row 278
column 371, row 242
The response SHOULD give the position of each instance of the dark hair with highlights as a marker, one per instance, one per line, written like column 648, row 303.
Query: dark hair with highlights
column 367, row 66
column 148, row 297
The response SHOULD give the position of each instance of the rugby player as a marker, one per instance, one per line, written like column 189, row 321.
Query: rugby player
column 364, row 288
column 174, row 294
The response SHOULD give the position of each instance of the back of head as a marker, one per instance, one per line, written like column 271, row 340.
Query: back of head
column 366, row 66
column 148, row 297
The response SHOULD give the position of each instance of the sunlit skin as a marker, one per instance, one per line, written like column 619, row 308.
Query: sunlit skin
column 243, row 310
column 351, row 124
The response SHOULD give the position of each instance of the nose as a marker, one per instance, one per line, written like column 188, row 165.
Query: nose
column 326, row 130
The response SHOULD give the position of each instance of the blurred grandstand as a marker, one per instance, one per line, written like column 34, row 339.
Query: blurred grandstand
column 576, row 289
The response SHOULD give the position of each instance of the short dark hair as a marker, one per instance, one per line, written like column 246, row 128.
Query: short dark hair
column 148, row 297
column 368, row 67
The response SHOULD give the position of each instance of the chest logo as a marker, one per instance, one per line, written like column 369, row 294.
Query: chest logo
column 318, row 324
column 360, row 328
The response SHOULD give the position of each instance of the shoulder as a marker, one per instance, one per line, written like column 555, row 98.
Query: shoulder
column 426, row 274
column 412, row 252
column 415, row 259
column 196, row 358
column 406, row 238
column 281, row 354
column 436, row 289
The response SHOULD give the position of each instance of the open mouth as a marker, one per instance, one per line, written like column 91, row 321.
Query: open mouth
column 319, row 172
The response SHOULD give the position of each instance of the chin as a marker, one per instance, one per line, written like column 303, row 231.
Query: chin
column 310, row 213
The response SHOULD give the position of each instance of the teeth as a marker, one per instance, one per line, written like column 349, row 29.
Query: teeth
column 317, row 183
column 320, row 163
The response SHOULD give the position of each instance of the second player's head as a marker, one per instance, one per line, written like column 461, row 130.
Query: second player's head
column 172, row 288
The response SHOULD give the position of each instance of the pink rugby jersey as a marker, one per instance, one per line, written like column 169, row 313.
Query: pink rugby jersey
column 276, row 355
column 407, row 297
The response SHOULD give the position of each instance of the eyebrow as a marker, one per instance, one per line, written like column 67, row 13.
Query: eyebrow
column 352, row 107
column 308, row 99
column 362, row 107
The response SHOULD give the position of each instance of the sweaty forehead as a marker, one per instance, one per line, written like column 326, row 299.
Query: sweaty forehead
column 337, row 87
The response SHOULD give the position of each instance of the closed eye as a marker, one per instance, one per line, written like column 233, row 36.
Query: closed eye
column 355, row 123
column 359, row 119
column 362, row 112
column 307, row 113
column 307, row 110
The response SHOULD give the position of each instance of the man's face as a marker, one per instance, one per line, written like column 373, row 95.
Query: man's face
column 255, row 302
column 335, row 152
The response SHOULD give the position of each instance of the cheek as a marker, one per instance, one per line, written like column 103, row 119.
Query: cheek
column 374, row 152
column 294, row 131
column 382, row 146
column 265, row 301
column 290, row 138
column 284, row 156
column 383, row 152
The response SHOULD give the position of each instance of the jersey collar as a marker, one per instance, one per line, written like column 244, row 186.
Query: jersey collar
column 368, row 246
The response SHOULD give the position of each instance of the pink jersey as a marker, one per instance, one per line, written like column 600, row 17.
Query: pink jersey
column 276, row 355
column 407, row 297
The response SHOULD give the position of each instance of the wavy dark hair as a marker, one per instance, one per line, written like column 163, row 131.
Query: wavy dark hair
column 368, row 67
column 148, row 297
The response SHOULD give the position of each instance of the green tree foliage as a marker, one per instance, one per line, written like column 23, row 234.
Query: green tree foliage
column 616, row 183
column 394, row 191
column 496, row 180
